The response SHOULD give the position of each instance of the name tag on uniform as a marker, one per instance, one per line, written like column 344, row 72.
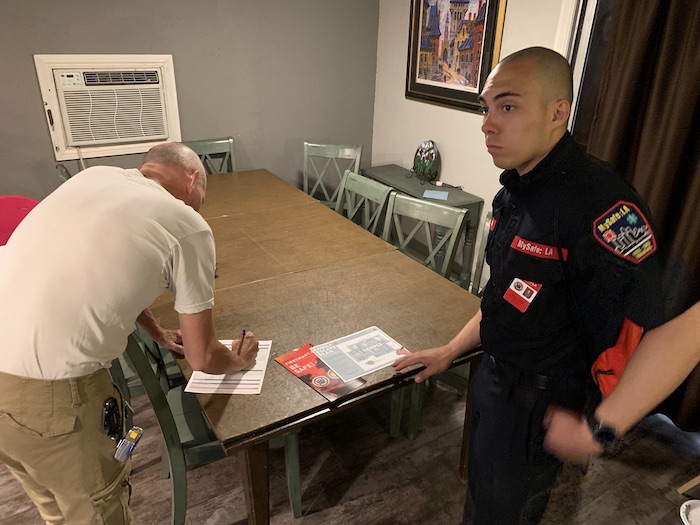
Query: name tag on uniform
column 521, row 293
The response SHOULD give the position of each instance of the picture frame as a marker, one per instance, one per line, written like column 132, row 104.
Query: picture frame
column 452, row 47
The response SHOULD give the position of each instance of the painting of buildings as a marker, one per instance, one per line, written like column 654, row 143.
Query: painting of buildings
column 451, row 43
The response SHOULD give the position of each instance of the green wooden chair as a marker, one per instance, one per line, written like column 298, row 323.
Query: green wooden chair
column 324, row 166
column 475, row 285
column 441, row 226
column 188, row 439
column 62, row 172
column 217, row 154
column 362, row 200
column 460, row 377
column 162, row 361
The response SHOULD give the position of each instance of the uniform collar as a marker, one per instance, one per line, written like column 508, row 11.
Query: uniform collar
column 543, row 171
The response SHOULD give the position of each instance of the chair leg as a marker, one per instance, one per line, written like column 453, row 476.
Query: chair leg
column 396, row 412
column 178, row 481
column 291, row 463
column 164, row 463
column 417, row 399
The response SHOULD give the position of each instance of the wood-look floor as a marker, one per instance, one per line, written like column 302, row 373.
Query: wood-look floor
column 354, row 473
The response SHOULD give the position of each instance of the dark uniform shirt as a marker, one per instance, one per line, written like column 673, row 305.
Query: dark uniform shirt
column 609, row 251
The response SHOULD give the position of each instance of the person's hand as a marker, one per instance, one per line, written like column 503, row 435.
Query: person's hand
column 568, row 436
column 435, row 360
column 249, row 349
column 172, row 340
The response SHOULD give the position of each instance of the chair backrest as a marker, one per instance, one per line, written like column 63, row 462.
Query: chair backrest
column 187, row 438
column 440, row 225
column 324, row 166
column 63, row 172
column 362, row 200
column 475, row 285
column 217, row 154
column 13, row 208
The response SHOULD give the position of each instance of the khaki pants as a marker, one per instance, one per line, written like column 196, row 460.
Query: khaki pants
column 52, row 441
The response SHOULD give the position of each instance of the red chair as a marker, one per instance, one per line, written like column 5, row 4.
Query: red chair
column 13, row 208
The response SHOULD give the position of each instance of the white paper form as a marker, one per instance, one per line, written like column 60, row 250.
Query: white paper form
column 247, row 381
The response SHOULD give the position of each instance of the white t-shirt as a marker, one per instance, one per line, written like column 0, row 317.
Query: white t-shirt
column 86, row 261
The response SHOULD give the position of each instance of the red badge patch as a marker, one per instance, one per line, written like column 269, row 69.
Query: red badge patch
column 521, row 293
column 625, row 231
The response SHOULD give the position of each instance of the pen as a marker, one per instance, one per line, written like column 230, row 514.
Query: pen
column 240, row 345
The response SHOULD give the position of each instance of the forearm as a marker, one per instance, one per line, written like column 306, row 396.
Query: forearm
column 664, row 358
column 217, row 359
column 150, row 325
column 203, row 350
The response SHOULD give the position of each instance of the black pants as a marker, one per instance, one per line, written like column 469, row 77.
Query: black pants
column 510, row 473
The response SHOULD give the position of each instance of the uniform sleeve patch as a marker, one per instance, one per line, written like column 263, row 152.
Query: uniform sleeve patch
column 625, row 231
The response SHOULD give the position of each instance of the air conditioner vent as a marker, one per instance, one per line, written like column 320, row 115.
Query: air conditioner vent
column 119, row 78
column 111, row 115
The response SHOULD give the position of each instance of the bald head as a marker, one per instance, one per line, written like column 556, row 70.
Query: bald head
column 550, row 68
column 174, row 155
column 179, row 170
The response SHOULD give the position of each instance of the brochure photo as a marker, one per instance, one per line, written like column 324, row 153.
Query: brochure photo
column 304, row 364
column 357, row 354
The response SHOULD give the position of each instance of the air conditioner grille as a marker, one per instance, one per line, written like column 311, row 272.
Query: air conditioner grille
column 119, row 78
column 114, row 115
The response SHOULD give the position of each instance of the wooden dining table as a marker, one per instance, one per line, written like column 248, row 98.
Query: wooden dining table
column 293, row 271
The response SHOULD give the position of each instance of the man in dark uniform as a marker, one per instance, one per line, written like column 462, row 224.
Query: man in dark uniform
column 572, row 254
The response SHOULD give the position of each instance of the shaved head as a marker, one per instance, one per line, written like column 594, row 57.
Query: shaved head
column 550, row 68
column 179, row 170
column 174, row 155
column 526, row 102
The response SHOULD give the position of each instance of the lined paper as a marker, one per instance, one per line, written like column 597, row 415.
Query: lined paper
column 247, row 381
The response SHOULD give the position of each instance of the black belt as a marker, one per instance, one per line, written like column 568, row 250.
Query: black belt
column 524, row 378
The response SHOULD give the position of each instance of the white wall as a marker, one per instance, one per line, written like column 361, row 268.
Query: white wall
column 401, row 124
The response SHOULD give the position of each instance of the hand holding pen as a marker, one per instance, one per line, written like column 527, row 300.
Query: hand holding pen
column 240, row 344
column 247, row 348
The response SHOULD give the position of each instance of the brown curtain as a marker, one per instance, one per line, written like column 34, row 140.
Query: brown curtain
column 646, row 123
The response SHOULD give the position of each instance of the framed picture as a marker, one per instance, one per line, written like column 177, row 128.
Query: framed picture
column 452, row 48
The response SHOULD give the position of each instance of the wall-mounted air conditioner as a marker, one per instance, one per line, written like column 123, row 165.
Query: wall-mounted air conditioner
column 100, row 105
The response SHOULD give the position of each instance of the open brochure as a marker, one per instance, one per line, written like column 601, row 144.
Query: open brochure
column 304, row 364
column 248, row 381
column 360, row 353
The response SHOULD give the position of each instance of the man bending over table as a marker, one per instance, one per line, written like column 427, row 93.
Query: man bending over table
column 76, row 275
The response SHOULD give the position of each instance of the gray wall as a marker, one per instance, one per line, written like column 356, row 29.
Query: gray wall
column 270, row 73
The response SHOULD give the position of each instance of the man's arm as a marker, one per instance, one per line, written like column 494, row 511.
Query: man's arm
column 203, row 350
column 170, row 339
column 438, row 359
column 663, row 359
